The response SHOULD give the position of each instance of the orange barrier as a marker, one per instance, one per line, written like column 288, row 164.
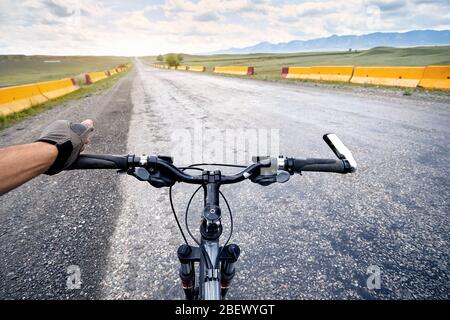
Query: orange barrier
column 237, row 70
column 388, row 76
column 197, row 68
column 322, row 73
column 436, row 78
column 18, row 98
column 95, row 76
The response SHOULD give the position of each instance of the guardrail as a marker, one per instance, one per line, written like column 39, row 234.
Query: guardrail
column 19, row 98
column 388, row 76
column 321, row 73
column 436, row 78
column 236, row 70
column 183, row 68
column 430, row 77
column 197, row 68
column 95, row 76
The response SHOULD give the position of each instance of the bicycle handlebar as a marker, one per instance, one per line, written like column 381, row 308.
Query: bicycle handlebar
column 162, row 169
column 318, row 165
column 100, row 161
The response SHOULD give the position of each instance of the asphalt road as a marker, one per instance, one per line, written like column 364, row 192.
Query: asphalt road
column 313, row 237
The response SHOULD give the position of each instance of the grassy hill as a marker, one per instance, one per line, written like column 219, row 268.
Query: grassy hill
column 268, row 66
column 20, row 69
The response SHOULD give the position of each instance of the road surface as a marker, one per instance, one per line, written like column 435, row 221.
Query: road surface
column 313, row 237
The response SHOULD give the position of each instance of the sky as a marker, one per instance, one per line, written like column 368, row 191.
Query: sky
column 138, row 27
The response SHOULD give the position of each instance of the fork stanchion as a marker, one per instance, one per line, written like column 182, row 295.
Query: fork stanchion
column 229, row 257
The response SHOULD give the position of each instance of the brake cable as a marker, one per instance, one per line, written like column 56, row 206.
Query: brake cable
column 217, row 165
column 205, row 254
column 195, row 167
column 173, row 207
column 175, row 216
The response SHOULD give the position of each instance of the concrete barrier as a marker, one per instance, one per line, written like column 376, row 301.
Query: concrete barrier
column 197, row 68
column 296, row 72
column 322, row 73
column 332, row 73
column 95, row 76
column 237, row 70
column 436, row 78
column 184, row 68
column 19, row 98
column 388, row 76
column 57, row 88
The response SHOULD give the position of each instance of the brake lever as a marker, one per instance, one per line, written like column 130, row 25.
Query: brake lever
column 265, row 180
column 269, row 173
column 151, row 174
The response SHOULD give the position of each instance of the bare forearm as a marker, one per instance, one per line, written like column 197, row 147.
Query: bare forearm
column 20, row 163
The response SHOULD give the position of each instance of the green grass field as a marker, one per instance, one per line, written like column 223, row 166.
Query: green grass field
column 19, row 69
column 268, row 66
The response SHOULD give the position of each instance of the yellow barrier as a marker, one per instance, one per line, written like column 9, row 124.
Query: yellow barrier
column 197, row 68
column 332, row 73
column 296, row 72
column 436, row 77
column 18, row 98
column 182, row 68
column 322, row 73
column 160, row 66
column 388, row 76
column 237, row 70
column 95, row 76
column 57, row 88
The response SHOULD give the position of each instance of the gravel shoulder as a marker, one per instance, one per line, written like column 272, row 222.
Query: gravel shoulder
column 54, row 222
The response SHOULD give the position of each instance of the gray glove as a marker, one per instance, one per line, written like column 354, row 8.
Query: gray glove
column 69, row 138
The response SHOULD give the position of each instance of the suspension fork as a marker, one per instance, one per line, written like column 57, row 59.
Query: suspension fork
column 214, row 282
column 228, row 258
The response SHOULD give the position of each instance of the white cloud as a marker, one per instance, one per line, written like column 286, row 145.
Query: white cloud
column 92, row 27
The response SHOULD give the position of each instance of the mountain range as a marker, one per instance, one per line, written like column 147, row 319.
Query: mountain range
column 356, row 42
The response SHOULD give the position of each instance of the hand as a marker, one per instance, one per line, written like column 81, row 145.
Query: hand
column 69, row 138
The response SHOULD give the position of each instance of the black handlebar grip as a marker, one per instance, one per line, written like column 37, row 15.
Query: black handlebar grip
column 319, row 165
column 97, row 161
